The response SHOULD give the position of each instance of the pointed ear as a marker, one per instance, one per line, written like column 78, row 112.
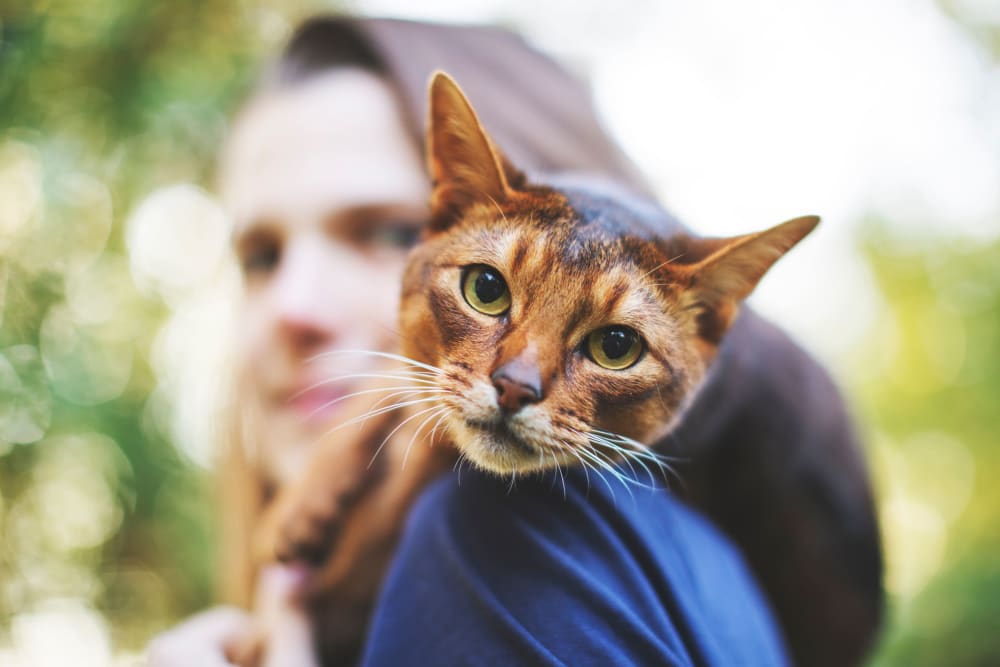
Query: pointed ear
column 464, row 166
column 728, row 274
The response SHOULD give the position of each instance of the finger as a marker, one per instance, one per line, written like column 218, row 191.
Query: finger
column 199, row 640
column 290, row 640
column 291, row 643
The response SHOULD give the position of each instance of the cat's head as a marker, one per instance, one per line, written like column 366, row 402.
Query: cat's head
column 562, row 326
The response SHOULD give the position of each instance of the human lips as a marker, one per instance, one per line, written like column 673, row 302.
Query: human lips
column 317, row 402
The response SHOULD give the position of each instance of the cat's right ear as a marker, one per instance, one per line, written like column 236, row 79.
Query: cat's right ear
column 463, row 164
column 727, row 270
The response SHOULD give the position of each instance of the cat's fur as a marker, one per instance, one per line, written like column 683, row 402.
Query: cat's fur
column 575, row 260
column 574, row 263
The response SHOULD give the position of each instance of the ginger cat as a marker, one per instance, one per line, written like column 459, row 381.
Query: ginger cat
column 542, row 327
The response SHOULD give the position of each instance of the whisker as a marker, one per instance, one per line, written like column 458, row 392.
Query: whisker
column 403, row 390
column 660, row 266
column 627, row 455
column 397, row 427
column 597, row 464
column 338, row 378
column 458, row 465
column 380, row 411
column 610, row 465
column 562, row 478
column 638, row 451
column 499, row 210
column 376, row 376
column 572, row 452
column 598, row 440
column 638, row 456
column 437, row 424
column 407, row 369
column 641, row 448
column 384, row 355
column 406, row 454
column 426, row 392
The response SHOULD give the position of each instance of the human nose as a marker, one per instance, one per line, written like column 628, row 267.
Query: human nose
column 304, row 319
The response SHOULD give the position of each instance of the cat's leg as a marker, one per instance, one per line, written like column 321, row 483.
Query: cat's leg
column 345, row 519
column 303, row 520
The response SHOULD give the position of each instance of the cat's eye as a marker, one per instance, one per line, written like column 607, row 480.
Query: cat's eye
column 485, row 290
column 616, row 347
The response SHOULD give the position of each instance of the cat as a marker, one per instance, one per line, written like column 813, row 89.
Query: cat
column 541, row 327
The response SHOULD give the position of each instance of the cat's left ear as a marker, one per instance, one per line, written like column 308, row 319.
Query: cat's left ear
column 719, row 282
column 464, row 166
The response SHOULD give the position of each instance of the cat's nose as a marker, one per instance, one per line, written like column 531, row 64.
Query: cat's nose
column 517, row 385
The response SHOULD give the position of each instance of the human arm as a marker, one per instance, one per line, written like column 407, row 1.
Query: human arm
column 483, row 576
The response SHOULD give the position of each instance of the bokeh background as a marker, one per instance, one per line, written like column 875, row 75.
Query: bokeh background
column 116, row 285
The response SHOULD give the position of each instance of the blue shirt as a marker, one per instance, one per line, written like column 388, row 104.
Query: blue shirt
column 489, row 574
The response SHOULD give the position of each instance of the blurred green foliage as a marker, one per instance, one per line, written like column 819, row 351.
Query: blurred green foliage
column 933, row 405
column 101, row 103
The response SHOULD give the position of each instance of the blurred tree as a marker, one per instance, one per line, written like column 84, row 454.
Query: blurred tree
column 931, row 400
column 101, row 103
column 939, row 374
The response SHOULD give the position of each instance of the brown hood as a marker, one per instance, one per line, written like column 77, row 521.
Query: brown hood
column 541, row 116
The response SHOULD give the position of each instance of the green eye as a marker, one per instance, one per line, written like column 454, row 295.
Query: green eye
column 615, row 348
column 486, row 290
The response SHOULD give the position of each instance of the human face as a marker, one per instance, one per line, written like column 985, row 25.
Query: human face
column 327, row 192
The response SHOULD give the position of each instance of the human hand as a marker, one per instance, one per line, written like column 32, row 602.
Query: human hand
column 200, row 640
column 279, row 633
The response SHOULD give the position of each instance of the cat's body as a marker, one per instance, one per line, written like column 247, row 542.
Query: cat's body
column 552, row 327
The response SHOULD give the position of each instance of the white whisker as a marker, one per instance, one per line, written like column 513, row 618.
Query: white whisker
column 437, row 424
column 639, row 452
column 572, row 452
column 380, row 411
column 458, row 466
column 609, row 464
column 598, row 440
column 627, row 455
column 402, row 391
column 597, row 466
column 423, row 393
column 660, row 266
column 384, row 355
column 406, row 455
column 562, row 478
column 375, row 376
column 397, row 427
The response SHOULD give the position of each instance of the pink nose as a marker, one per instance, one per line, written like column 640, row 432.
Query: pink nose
column 517, row 385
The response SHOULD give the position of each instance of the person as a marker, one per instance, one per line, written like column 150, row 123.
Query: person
column 324, row 179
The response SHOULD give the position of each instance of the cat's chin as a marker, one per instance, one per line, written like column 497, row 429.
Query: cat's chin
column 494, row 448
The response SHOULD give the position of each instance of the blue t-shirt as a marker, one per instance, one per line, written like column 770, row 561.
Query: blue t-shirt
column 487, row 574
